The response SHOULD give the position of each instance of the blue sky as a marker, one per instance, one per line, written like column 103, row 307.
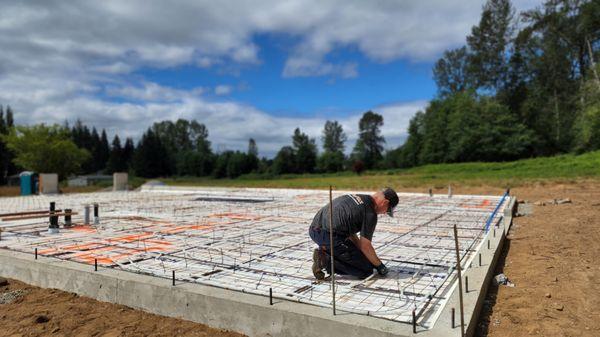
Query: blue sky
column 263, row 86
column 246, row 69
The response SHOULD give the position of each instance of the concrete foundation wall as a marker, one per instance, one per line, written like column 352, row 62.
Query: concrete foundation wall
column 245, row 313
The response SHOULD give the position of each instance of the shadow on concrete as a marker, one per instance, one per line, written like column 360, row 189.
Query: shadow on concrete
column 485, row 316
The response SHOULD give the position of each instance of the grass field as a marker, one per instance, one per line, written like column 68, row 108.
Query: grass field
column 564, row 168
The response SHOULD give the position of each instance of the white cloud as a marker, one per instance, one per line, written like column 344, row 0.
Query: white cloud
column 152, row 92
column 223, row 89
column 59, row 59
column 124, row 35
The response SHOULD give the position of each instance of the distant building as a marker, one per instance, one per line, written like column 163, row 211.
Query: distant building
column 88, row 180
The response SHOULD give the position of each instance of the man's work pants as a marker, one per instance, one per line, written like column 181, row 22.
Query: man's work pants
column 348, row 258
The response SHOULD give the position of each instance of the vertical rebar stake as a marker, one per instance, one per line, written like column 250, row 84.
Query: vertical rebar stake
column 453, row 318
column 173, row 278
column 95, row 264
column 466, row 284
column 271, row 296
column 414, row 321
column 331, row 246
column 460, row 293
column 480, row 259
column 36, row 253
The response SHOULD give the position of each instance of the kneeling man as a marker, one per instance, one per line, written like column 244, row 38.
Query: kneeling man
column 352, row 213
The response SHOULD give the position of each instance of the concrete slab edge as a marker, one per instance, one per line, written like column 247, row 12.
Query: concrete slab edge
column 215, row 307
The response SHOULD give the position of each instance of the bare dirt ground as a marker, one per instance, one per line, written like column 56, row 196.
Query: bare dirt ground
column 50, row 312
column 552, row 256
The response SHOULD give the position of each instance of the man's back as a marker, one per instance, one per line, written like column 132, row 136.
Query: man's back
column 352, row 213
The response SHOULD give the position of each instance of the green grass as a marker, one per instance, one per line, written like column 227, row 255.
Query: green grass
column 563, row 168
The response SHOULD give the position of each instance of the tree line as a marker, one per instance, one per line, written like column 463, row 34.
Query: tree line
column 7, row 167
column 180, row 148
column 522, row 86
column 185, row 150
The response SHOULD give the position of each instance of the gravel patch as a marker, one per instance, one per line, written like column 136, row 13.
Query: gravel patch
column 11, row 296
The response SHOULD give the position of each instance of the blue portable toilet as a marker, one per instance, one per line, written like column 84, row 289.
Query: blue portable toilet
column 28, row 183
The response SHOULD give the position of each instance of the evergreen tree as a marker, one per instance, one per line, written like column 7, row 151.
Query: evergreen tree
column 116, row 161
column 9, row 117
column 93, row 144
column 305, row 150
column 333, row 138
column 252, row 148
column 488, row 44
column 3, row 150
column 128, row 151
column 252, row 157
column 285, row 161
column 221, row 163
column 149, row 158
column 7, row 167
column 103, row 151
column 369, row 146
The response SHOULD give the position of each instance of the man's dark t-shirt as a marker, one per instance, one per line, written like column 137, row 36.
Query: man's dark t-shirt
column 352, row 213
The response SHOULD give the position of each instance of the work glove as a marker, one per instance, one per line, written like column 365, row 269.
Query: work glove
column 382, row 269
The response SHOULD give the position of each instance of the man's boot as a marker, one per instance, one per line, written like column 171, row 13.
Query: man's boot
column 318, row 264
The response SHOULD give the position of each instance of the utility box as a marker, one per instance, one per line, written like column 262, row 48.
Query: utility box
column 48, row 183
column 120, row 181
column 28, row 183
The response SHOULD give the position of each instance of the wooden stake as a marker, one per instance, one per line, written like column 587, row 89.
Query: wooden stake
column 331, row 246
column 460, row 291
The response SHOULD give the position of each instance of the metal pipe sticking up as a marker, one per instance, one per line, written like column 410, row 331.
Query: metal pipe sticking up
column 96, row 214
column 460, row 290
column 331, row 247
column 53, row 228
column 86, row 214
column 68, row 222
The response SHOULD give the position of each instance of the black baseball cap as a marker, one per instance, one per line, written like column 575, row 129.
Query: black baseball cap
column 392, row 198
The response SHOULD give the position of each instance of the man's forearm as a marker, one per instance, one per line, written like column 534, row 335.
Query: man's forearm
column 366, row 248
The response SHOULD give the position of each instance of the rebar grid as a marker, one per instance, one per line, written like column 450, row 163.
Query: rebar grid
column 259, row 242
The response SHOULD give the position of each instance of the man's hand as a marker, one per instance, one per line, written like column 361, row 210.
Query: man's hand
column 382, row 269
